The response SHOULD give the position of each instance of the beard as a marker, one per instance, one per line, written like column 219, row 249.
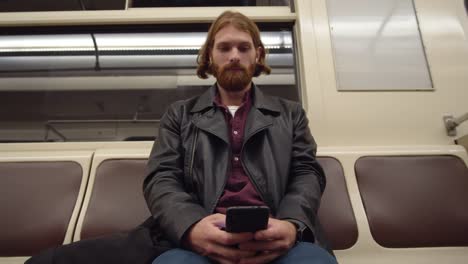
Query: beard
column 234, row 77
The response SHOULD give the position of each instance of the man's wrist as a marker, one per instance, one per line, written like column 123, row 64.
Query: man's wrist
column 292, row 228
column 303, row 233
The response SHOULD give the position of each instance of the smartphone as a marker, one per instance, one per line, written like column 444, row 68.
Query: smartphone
column 246, row 218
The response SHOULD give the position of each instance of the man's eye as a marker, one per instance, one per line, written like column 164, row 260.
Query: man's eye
column 224, row 48
column 244, row 48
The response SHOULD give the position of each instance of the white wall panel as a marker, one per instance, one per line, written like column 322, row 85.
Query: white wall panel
column 377, row 45
column 392, row 117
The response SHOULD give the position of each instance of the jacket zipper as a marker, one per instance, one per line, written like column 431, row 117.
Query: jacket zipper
column 255, row 184
column 213, row 207
column 245, row 169
column 192, row 158
column 218, row 196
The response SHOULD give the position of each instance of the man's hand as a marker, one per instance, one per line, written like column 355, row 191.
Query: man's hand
column 271, row 243
column 207, row 239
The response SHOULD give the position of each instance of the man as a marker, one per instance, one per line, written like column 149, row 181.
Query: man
column 235, row 146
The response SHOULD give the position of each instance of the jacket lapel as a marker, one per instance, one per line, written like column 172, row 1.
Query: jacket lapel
column 257, row 119
column 256, row 122
column 213, row 122
column 208, row 118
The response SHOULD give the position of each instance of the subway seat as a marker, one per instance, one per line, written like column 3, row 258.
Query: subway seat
column 381, row 204
column 336, row 213
column 116, row 202
column 41, row 194
column 415, row 201
column 117, row 194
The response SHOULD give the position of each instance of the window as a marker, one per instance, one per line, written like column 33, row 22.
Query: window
column 112, row 83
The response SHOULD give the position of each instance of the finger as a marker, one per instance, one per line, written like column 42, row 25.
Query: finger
column 267, row 234
column 277, row 230
column 230, row 239
column 218, row 220
column 273, row 245
column 262, row 258
column 271, row 233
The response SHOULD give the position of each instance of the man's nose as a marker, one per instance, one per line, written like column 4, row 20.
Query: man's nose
column 234, row 55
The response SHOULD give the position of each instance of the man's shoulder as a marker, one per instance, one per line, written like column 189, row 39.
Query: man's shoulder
column 184, row 105
column 285, row 105
column 289, row 103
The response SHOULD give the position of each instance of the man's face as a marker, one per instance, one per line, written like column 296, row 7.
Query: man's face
column 234, row 58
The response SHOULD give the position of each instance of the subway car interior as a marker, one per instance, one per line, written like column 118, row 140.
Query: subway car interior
column 84, row 84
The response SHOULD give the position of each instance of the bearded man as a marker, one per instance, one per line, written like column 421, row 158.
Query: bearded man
column 235, row 146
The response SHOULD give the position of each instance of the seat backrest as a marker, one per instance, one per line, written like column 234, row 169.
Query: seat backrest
column 335, row 213
column 415, row 201
column 41, row 193
column 114, row 202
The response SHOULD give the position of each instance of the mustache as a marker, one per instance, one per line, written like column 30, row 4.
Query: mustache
column 234, row 66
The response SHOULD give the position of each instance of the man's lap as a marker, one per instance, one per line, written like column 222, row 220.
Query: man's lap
column 305, row 252
column 301, row 253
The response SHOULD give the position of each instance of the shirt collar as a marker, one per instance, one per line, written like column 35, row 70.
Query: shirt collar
column 259, row 100
column 247, row 99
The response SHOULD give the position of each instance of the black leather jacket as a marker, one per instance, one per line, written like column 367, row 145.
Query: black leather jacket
column 189, row 162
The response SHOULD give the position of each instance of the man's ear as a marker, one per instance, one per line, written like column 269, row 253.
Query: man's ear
column 210, row 59
column 259, row 53
column 210, row 56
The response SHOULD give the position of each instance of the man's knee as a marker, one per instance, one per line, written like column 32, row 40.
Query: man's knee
column 180, row 256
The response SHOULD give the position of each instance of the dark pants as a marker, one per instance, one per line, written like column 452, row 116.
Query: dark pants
column 302, row 253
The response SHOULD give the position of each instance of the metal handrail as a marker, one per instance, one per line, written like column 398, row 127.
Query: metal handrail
column 451, row 123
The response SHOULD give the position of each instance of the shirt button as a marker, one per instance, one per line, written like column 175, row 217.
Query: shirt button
column 236, row 158
column 235, row 132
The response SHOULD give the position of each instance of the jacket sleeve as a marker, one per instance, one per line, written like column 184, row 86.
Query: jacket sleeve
column 306, row 177
column 173, row 209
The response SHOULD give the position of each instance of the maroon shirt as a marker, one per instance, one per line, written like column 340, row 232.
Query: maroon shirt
column 239, row 190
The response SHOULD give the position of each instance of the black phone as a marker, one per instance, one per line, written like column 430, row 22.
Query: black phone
column 246, row 218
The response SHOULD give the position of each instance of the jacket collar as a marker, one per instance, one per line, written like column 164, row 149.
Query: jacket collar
column 259, row 101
